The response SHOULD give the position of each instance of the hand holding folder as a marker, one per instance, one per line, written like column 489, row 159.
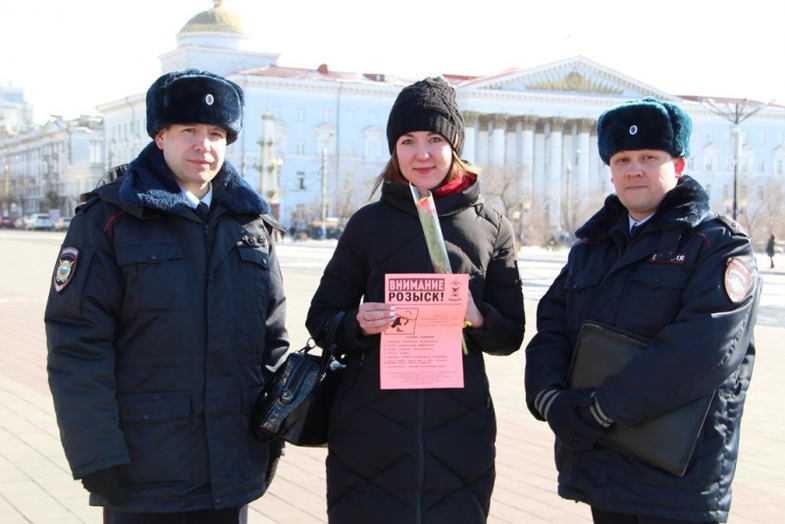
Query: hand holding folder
column 665, row 442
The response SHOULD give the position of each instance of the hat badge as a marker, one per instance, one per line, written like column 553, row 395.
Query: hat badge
column 633, row 129
column 209, row 99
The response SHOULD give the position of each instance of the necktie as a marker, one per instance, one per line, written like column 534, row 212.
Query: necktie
column 202, row 210
column 634, row 230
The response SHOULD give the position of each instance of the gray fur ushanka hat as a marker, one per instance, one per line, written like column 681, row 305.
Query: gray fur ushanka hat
column 647, row 123
column 191, row 96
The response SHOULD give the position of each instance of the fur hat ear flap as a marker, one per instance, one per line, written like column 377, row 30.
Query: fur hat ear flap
column 191, row 96
column 647, row 123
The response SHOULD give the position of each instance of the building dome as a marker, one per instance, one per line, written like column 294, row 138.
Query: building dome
column 215, row 20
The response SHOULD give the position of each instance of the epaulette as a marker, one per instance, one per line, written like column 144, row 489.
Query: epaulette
column 270, row 220
column 91, row 199
column 734, row 226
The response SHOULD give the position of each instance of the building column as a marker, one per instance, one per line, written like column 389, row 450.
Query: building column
column 527, row 153
column 499, row 123
column 555, row 175
column 512, row 142
column 470, row 119
column 538, row 170
column 482, row 140
column 584, row 153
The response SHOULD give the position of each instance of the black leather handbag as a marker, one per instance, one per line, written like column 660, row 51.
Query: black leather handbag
column 295, row 404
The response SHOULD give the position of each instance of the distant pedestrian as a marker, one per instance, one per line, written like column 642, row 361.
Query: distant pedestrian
column 165, row 317
column 771, row 249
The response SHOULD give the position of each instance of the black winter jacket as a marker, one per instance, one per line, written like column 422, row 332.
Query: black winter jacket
column 163, row 337
column 416, row 456
column 669, row 286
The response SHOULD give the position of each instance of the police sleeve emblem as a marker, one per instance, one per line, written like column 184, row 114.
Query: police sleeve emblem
column 66, row 265
column 737, row 280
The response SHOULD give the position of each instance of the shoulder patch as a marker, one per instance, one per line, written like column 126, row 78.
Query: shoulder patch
column 737, row 280
column 66, row 267
column 732, row 225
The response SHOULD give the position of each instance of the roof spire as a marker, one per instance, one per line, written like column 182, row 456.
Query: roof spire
column 218, row 3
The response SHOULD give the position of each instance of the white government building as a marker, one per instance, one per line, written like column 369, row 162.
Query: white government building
column 317, row 136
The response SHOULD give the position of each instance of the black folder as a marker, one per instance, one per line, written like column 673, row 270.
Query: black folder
column 665, row 442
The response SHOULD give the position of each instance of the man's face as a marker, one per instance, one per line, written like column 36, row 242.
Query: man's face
column 642, row 178
column 194, row 152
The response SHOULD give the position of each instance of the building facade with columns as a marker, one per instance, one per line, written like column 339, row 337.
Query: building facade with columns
column 314, row 139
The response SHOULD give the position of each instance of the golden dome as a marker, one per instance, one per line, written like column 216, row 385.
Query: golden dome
column 215, row 20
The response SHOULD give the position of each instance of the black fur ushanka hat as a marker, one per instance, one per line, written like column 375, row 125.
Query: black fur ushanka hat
column 647, row 123
column 192, row 96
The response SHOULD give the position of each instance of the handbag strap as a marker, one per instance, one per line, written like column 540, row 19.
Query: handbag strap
column 328, row 344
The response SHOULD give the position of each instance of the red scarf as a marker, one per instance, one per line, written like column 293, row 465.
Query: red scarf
column 457, row 184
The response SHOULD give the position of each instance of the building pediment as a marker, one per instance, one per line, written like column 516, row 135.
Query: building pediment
column 574, row 76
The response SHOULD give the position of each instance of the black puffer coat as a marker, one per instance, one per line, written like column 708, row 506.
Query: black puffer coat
column 160, row 343
column 416, row 456
column 670, row 286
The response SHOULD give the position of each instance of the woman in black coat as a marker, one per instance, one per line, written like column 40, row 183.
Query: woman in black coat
column 417, row 455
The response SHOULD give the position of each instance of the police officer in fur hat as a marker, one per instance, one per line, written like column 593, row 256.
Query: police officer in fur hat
column 653, row 264
column 165, row 318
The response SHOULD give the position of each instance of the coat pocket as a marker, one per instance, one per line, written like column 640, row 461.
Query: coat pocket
column 156, row 277
column 653, row 298
column 255, row 279
column 157, row 431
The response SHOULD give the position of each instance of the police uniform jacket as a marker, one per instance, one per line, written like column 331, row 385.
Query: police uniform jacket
column 406, row 456
column 162, row 337
column 687, row 283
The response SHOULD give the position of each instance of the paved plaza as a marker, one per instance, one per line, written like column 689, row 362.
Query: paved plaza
column 36, row 485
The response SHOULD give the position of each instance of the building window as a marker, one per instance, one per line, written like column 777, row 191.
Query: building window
column 372, row 117
column 691, row 164
column 762, row 137
column 301, row 180
column 301, row 147
column 709, row 136
column 326, row 114
column 708, row 163
column 762, row 165
column 300, row 114
column 779, row 166
column 350, row 118
column 708, row 190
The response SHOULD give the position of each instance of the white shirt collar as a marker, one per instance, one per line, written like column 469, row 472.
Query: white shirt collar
column 634, row 222
column 193, row 201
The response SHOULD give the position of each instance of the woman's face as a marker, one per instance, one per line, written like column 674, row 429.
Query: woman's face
column 424, row 158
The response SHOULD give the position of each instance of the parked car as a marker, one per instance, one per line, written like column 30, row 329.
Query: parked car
column 6, row 222
column 38, row 221
column 62, row 223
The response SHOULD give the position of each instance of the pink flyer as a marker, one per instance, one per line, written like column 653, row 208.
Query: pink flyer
column 422, row 348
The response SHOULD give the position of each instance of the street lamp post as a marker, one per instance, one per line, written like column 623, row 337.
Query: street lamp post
column 735, row 112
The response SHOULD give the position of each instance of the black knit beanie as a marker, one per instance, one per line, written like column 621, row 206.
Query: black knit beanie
column 427, row 105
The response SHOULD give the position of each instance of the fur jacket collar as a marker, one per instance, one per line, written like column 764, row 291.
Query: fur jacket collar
column 683, row 207
column 148, row 182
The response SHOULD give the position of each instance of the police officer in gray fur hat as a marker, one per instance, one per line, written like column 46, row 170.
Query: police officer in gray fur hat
column 654, row 264
column 166, row 317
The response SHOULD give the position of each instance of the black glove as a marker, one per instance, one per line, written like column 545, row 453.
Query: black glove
column 276, row 451
column 107, row 483
column 572, row 427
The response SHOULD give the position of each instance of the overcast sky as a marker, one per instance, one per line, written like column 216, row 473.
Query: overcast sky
column 70, row 56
